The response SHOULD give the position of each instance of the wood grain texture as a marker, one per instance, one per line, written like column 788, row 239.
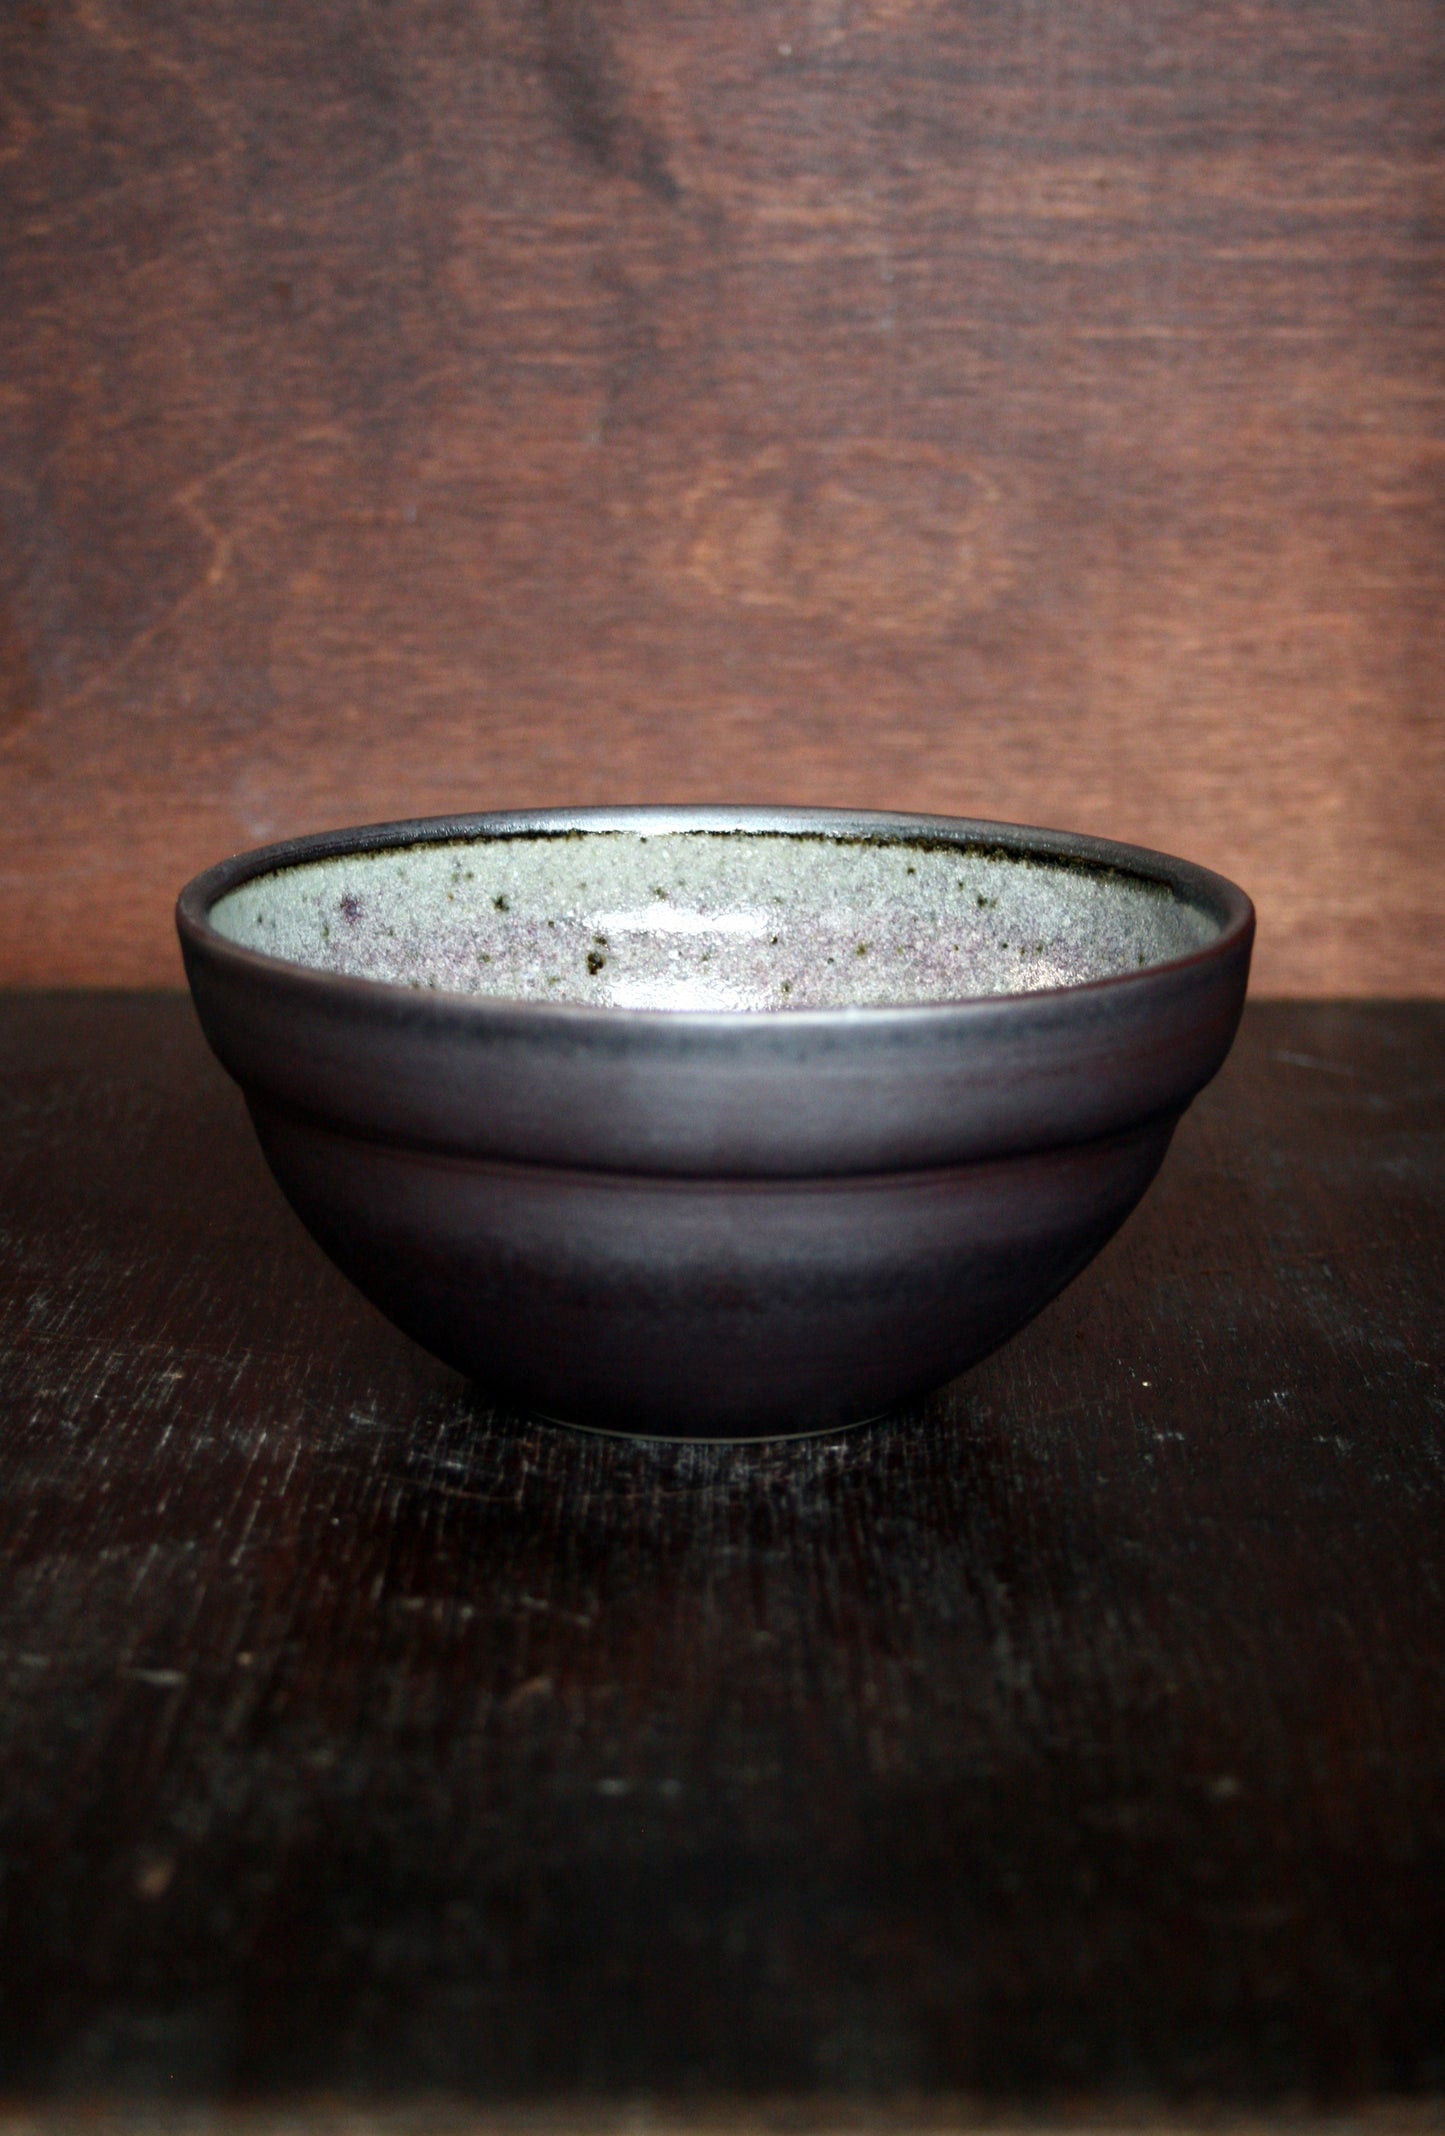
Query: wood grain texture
column 1082, row 1733
column 1027, row 411
column 785, row 2115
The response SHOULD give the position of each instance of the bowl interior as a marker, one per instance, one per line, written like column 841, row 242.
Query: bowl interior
column 711, row 919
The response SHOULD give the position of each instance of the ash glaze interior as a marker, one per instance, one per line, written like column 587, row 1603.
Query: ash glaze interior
column 711, row 919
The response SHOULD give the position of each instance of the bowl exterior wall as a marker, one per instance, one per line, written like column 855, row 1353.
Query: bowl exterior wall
column 792, row 1094
column 706, row 1308
column 860, row 1091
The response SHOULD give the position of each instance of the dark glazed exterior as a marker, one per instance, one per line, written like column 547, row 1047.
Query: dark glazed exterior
column 719, row 1224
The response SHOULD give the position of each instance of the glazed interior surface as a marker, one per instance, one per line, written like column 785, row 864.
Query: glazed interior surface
column 708, row 919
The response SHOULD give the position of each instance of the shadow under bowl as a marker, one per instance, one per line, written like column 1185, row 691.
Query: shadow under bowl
column 713, row 1123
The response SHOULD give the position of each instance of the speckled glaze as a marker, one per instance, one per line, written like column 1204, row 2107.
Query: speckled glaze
column 714, row 1123
column 710, row 919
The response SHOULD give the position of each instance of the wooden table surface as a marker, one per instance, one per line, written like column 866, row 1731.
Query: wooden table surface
column 1079, row 1736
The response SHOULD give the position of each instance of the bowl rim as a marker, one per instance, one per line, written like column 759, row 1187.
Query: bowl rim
column 1223, row 901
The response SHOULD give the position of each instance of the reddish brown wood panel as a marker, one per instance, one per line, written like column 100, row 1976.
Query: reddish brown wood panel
column 1031, row 411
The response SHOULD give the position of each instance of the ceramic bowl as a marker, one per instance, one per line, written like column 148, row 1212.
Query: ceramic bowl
column 713, row 1123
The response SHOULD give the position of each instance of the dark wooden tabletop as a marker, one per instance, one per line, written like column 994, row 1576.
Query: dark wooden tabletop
column 1079, row 1735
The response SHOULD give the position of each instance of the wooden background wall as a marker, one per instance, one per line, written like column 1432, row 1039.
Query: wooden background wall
column 1025, row 409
